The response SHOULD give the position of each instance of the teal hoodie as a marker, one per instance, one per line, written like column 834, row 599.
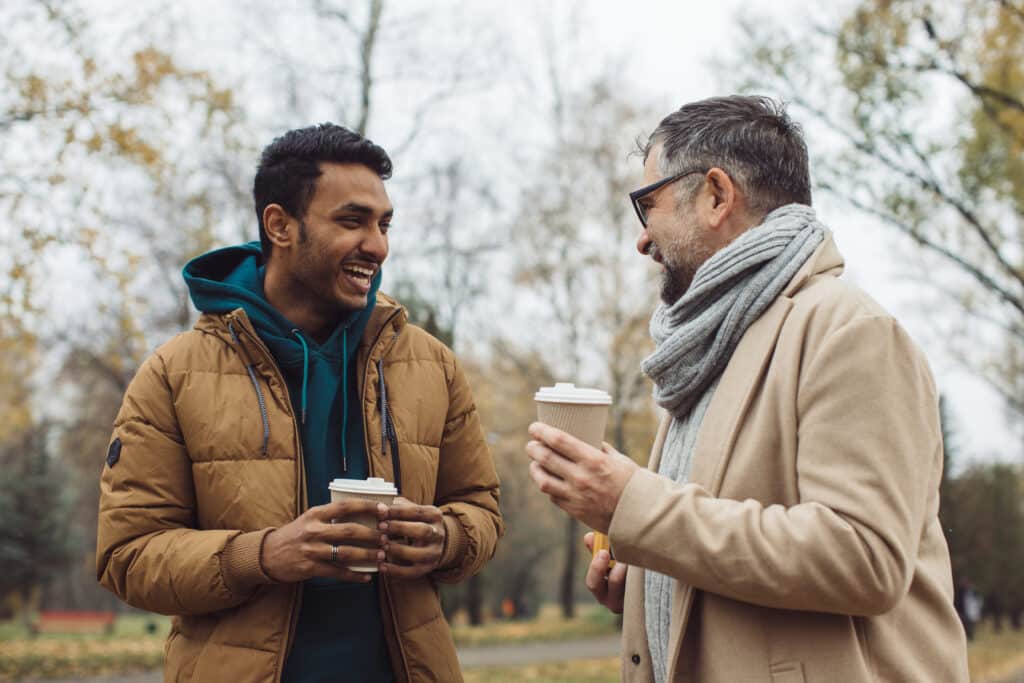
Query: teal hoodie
column 340, row 626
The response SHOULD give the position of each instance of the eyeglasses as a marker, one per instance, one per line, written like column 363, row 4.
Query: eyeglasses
column 636, row 195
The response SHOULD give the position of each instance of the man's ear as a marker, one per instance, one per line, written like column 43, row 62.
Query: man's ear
column 722, row 197
column 279, row 226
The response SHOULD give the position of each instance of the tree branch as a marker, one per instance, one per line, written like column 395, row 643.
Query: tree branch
column 369, row 39
column 930, row 185
column 980, row 276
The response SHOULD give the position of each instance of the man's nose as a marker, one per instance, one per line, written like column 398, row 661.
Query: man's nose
column 643, row 243
column 376, row 243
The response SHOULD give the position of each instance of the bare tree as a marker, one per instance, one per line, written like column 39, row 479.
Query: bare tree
column 923, row 101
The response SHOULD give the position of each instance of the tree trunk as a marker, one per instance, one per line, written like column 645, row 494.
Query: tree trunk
column 567, row 592
column 475, row 600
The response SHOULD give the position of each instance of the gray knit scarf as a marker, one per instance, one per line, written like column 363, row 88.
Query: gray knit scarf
column 694, row 339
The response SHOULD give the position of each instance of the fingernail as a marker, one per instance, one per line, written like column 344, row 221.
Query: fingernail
column 383, row 526
column 603, row 554
column 380, row 555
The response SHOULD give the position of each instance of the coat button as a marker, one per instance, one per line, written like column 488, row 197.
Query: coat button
column 636, row 658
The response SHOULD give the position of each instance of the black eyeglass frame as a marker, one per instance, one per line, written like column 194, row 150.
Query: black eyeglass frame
column 636, row 195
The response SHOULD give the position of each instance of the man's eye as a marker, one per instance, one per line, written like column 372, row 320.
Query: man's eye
column 384, row 227
column 350, row 220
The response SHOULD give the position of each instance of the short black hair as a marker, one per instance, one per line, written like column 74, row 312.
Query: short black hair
column 290, row 165
column 750, row 137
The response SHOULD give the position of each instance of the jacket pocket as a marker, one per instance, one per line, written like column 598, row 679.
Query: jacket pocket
column 787, row 672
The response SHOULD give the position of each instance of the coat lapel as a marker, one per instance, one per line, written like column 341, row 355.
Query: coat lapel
column 719, row 430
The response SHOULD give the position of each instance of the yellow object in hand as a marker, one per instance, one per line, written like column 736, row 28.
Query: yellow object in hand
column 601, row 542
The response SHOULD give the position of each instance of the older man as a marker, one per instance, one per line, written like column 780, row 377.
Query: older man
column 787, row 528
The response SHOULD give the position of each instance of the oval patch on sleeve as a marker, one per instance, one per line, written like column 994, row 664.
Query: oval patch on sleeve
column 114, row 452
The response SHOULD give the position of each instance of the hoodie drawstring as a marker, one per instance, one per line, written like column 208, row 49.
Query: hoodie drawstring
column 305, row 370
column 344, row 393
column 344, row 400
column 259, row 392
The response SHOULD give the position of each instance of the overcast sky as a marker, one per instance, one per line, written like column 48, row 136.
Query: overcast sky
column 668, row 47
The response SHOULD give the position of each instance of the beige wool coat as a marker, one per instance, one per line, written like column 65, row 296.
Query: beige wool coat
column 186, row 504
column 806, row 544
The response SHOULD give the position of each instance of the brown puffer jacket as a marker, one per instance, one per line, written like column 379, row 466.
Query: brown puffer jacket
column 195, row 480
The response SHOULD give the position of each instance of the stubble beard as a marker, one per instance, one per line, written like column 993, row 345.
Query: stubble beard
column 314, row 277
column 682, row 258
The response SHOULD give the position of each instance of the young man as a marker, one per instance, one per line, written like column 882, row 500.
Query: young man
column 787, row 528
column 215, row 504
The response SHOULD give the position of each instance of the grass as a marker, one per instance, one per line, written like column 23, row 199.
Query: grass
column 992, row 656
column 605, row 670
column 549, row 626
column 75, row 655
column 125, row 626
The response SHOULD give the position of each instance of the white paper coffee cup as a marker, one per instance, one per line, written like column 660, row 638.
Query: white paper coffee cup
column 373, row 489
column 579, row 411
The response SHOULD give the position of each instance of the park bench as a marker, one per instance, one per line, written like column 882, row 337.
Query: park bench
column 74, row 622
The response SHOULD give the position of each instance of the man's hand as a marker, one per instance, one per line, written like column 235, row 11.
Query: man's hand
column 583, row 481
column 305, row 548
column 415, row 541
column 608, row 586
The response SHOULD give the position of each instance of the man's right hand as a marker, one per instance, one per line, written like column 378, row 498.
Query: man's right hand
column 607, row 585
column 302, row 549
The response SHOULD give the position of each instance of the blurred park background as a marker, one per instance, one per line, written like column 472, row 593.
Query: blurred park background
column 129, row 133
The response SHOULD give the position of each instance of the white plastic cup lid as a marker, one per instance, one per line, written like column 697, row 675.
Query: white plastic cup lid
column 374, row 485
column 567, row 392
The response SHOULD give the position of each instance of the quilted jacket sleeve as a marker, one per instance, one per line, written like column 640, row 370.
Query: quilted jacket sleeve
column 467, row 487
column 148, row 552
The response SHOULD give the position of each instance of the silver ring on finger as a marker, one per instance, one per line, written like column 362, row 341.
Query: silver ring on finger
column 334, row 554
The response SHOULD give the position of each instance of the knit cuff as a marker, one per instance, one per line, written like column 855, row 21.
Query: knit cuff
column 455, row 544
column 240, row 562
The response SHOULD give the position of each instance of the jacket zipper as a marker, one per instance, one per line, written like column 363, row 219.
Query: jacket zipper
column 296, row 600
column 259, row 392
column 366, row 439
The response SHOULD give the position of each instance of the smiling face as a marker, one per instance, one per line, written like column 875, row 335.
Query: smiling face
column 343, row 237
column 324, row 262
column 674, row 236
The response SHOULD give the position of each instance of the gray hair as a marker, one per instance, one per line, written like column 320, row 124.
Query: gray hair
column 749, row 137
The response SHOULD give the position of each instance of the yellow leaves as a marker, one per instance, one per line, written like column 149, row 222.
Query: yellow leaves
column 78, row 657
column 18, row 357
column 152, row 67
column 34, row 93
column 129, row 143
column 221, row 99
column 94, row 143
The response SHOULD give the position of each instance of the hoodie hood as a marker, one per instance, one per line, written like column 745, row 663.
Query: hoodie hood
column 230, row 278
column 225, row 279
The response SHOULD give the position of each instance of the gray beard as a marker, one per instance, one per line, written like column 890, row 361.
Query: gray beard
column 674, row 284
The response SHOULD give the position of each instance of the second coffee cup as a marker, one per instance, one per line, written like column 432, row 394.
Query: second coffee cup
column 372, row 489
column 578, row 411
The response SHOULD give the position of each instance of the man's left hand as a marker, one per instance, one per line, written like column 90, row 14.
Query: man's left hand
column 416, row 539
column 582, row 480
